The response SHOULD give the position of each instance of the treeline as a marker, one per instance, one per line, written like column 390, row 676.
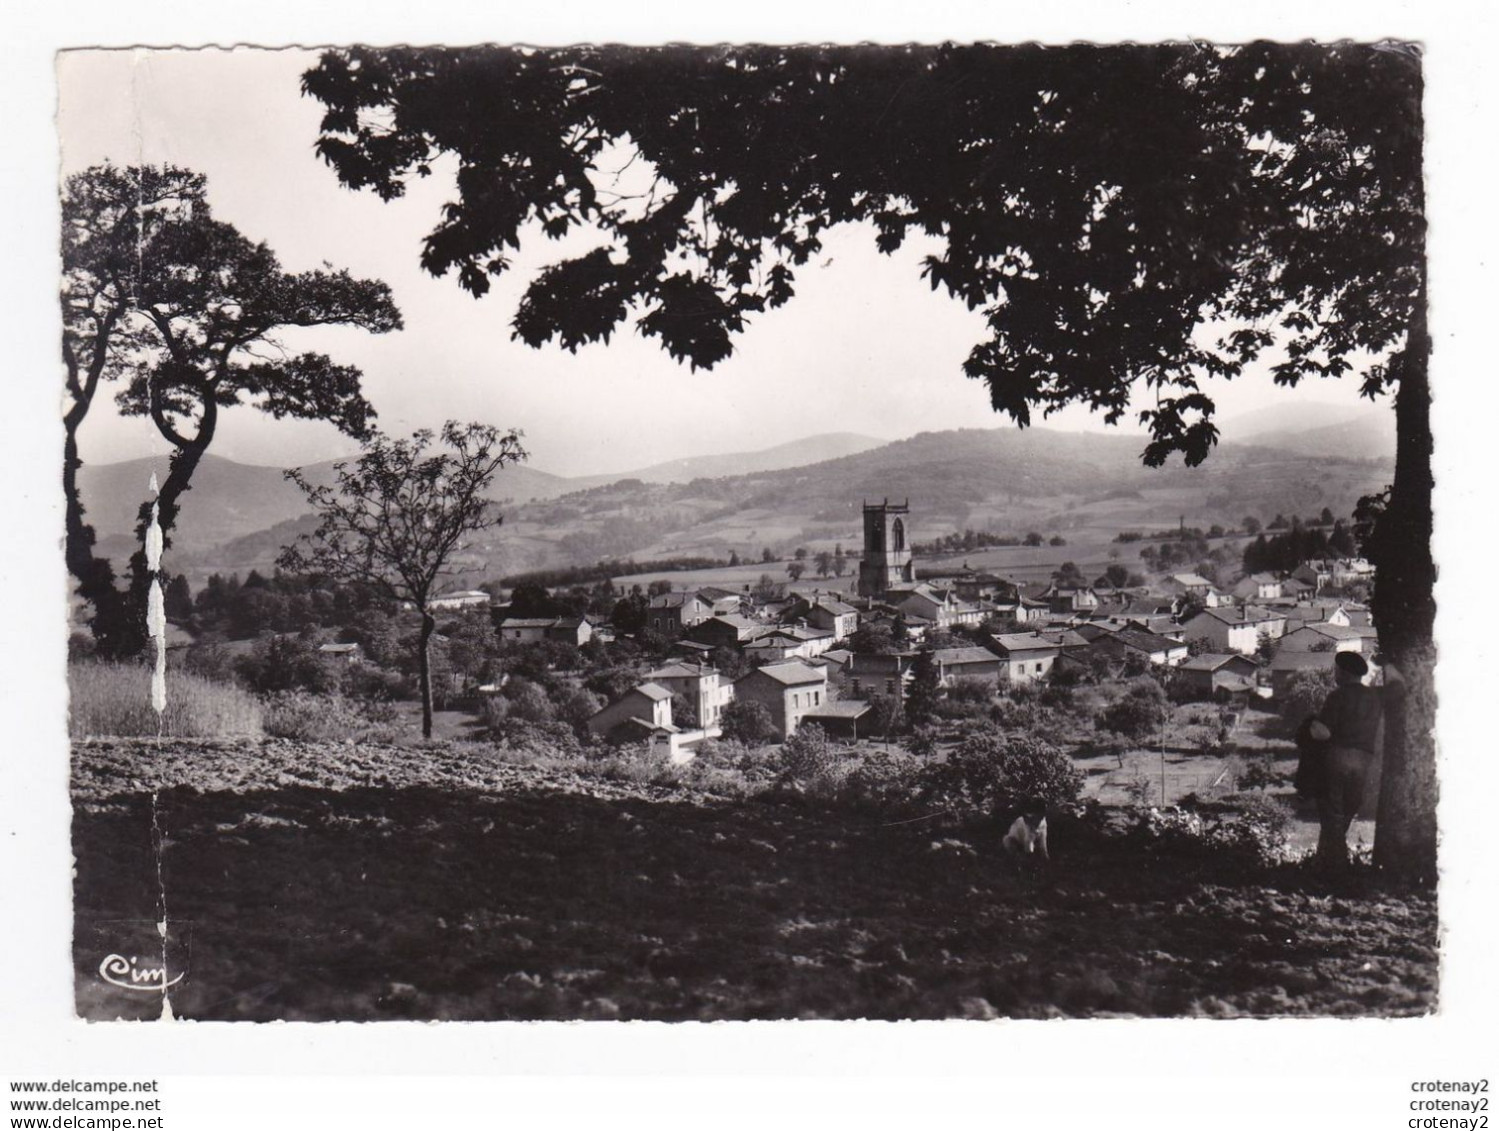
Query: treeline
column 1284, row 552
column 982, row 540
column 604, row 569
column 284, row 602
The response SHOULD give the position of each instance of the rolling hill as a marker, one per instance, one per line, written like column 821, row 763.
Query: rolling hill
column 797, row 453
column 1083, row 487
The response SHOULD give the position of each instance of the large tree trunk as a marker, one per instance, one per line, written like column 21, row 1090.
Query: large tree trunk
column 424, row 670
column 113, row 633
column 1405, row 843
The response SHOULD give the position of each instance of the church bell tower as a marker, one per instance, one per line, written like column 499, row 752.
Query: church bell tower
column 887, row 554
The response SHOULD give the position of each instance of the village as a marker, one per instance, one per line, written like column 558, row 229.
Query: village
column 918, row 663
column 843, row 655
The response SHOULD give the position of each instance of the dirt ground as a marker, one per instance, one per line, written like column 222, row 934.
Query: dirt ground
column 342, row 882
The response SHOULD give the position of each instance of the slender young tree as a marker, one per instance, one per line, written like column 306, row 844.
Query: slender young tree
column 397, row 515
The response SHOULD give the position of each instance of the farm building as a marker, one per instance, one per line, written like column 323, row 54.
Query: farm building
column 842, row 718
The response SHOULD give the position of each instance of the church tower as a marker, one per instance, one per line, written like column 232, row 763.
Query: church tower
column 887, row 552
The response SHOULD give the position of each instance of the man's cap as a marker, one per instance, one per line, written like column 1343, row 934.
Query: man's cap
column 1352, row 663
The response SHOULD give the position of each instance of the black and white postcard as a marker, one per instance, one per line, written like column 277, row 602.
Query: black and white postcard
column 741, row 530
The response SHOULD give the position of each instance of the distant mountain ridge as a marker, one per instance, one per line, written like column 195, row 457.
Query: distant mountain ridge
column 719, row 465
column 246, row 498
column 1080, row 484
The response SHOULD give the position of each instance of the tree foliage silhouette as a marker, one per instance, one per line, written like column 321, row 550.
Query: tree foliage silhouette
column 1124, row 217
column 186, row 313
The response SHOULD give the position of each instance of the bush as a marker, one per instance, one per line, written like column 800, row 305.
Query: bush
column 1140, row 713
column 528, row 701
column 971, row 690
column 755, row 764
column 884, row 780
column 748, row 722
column 366, row 681
column 329, row 718
column 209, row 659
column 1259, row 772
column 1304, row 696
column 287, row 663
column 115, row 699
column 807, row 755
column 1255, row 836
column 1026, row 714
column 990, row 772
column 1058, row 696
column 524, row 736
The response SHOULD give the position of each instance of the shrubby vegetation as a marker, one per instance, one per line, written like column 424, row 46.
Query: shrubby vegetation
column 992, row 772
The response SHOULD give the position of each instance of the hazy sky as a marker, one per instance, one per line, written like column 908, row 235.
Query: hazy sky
column 865, row 346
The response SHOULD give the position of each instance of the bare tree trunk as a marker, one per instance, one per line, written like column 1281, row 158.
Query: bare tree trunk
column 1404, row 607
column 424, row 669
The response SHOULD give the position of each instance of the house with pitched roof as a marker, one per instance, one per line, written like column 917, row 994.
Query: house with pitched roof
column 1258, row 587
column 1322, row 637
column 824, row 611
column 867, row 674
column 1069, row 600
column 642, row 709
column 1235, row 630
column 788, row 690
column 672, row 614
column 699, row 684
column 1161, row 651
column 1186, row 585
column 799, row 640
column 524, row 630
column 720, row 601
column 842, row 718
column 731, row 630
column 941, row 608
column 1025, row 656
column 1210, row 672
column 967, row 663
column 1284, row 666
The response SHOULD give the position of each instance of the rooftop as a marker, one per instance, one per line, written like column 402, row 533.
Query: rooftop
column 790, row 673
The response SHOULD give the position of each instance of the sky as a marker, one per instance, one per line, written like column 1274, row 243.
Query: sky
column 865, row 346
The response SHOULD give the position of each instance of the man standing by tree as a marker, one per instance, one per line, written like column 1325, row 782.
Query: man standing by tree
column 397, row 515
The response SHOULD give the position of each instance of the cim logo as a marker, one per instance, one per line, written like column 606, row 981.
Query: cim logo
column 131, row 974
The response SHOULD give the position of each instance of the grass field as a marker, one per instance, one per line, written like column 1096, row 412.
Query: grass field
column 114, row 699
column 305, row 882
